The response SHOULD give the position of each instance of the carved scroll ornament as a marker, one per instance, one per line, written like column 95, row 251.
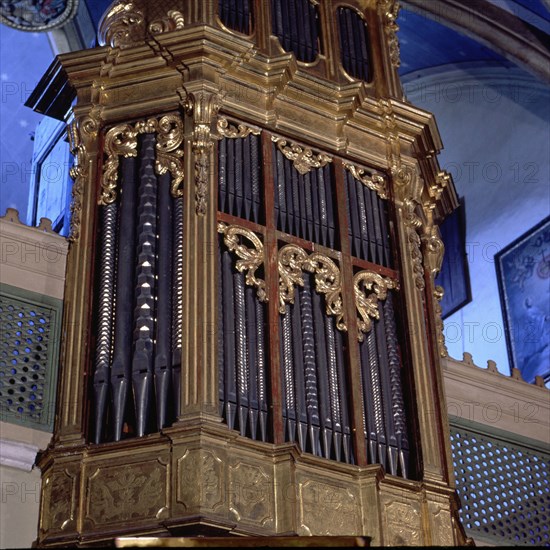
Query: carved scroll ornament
column 127, row 24
column 250, row 258
column 367, row 304
column 80, row 134
column 293, row 260
column 374, row 182
column 231, row 130
column 121, row 140
column 303, row 158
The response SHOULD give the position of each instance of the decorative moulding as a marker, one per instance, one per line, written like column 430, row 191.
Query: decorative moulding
column 17, row 455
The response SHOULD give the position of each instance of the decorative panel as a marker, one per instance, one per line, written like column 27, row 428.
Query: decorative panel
column 127, row 492
column 30, row 329
column 504, row 488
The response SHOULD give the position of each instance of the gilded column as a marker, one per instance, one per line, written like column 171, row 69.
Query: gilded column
column 199, row 386
column 83, row 133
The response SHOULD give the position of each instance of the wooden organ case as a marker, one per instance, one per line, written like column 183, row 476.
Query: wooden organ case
column 251, row 330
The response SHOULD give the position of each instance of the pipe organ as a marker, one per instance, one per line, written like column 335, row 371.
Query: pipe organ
column 251, row 332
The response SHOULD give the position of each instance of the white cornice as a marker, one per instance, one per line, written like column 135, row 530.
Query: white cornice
column 17, row 455
column 487, row 397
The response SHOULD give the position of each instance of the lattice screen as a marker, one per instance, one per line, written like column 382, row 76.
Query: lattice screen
column 504, row 489
column 29, row 341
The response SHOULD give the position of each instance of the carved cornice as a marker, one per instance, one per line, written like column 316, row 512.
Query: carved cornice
column 81, row 133
column 121, row 140
column 250, row 258
column 375, row 182
column 203, row 106
column 293, row 260
column 367, row 305
column 126, row 24
column 233, row 130
column 303, row 157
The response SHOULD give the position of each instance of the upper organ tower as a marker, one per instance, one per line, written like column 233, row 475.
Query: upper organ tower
column 251, row 331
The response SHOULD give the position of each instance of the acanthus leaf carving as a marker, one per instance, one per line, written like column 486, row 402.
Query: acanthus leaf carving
column 250, row 258
column 440, row 335
column 81, row 133
column 413, row 225
column 231, row 130
column 367, row 305
column 303, row 158
column 390, row 12
column 119, row 141
column 292, row 261
column 204, row 107
column 374, row 182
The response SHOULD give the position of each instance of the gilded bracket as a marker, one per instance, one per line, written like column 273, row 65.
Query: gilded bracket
column 80, row 134
column 375, row 182
column 303, row 157
column 204, row 107
column 121, row 140
column 251, row 258
column 367, row 305
column 234, row 131
column 169, row 148
column 292, row 261
column 390, row 10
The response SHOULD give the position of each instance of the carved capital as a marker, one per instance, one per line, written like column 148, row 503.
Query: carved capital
column 203, row 107
column 293, row 260
column 303, row 158
column 367, row 303
column 250, row 258
column 82, row 134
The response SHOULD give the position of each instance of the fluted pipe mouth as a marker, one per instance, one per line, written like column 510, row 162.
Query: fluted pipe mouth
column 126, row 24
